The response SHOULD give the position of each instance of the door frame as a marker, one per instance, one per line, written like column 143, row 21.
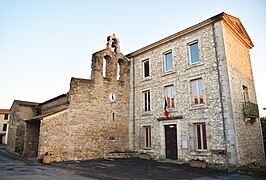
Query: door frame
column 176, row 140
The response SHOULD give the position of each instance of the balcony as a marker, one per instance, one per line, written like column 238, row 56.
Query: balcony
column 251, row 110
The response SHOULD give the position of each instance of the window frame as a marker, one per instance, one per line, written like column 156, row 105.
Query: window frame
column 201, row 143
column 169, row 102
column 164, row 61
column 146, row 137
column 144, row 69
column 4, row 127
column 147, row 101
column 245, row 93
column 6, row 116
column 190, row 54
column 198, row 92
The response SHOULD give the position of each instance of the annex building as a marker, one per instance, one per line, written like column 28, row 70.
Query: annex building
column 4, row 120
column 202, row 74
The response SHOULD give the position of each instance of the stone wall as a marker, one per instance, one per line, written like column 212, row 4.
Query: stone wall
column 31, row 138
column 92, row 125
column 229, row 125
column 180, row 77
column 53, row 105
column 249, row 138
column 19, row 112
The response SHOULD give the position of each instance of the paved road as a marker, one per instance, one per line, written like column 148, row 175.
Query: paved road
column 15, row 168
column 112, row 169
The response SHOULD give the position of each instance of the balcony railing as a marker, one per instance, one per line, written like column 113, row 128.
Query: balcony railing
column 251, row 110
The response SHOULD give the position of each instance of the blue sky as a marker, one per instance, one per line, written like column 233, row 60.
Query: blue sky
column 43, row 43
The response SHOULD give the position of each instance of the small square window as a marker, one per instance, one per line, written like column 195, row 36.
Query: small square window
column 146, row 68
column 147, row 137
column 168, row 61
column 194, row 53
column 6, row 117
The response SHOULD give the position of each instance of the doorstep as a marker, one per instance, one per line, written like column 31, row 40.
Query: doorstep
column 177, row 161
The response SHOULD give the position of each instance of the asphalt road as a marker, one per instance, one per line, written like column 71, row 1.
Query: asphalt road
column 16, row 168
column 112, row 169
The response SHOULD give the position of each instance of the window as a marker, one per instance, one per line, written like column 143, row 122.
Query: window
column 168, row 61
column 104, row 67
column 200, row 134
column 245, row 94
column 194, row 52
column 118, row 71
column 170, row 96
column 197, row 91
column 4, row 127
column 147, row 137
column 146, row 68
column 6, row 117
column 147, row 101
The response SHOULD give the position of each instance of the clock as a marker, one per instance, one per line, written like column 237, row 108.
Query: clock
column 112, row 97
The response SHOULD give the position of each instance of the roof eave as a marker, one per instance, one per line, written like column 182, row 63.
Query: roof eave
column 176, row 35
column 245, row 40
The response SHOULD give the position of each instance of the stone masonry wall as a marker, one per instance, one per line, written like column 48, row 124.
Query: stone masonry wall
column 249, row 138
column 11, row 139
column 31, row 138
column 180, row 77
column 92, row 125
column 53, row 105
column 230, row 139
column 17, row 126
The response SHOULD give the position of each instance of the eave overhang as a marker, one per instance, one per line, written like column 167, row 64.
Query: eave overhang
column 228, row 19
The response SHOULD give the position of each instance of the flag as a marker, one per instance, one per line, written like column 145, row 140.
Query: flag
column 166, row 109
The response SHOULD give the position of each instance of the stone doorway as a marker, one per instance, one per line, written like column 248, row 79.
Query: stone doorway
column 170, row 141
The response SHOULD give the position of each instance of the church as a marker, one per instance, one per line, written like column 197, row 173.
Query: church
column 190, row 95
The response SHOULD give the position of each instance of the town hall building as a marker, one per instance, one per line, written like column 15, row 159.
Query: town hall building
column 201, row 75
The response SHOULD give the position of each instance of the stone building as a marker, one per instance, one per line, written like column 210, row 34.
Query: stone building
column 201, row 75
column 4, row 120
column 24, row 132
column 204, row 75
column 87, row 122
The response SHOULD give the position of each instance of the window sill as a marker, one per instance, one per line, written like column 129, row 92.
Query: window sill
column 146, row 79
column 194, row 65
column 168, row 73
column 146, row 113
column 200, row 152
column 197, row 107
column 172, row 110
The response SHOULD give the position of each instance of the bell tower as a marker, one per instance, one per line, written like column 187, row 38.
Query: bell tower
column 110, row 78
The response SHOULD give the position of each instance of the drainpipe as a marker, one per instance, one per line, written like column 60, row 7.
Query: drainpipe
column 134, row 104
column 221, row 96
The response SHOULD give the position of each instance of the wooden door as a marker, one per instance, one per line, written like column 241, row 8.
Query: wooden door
column 171, row 141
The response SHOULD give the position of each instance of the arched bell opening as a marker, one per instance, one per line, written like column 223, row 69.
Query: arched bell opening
column 120, row 69
column 107, row 66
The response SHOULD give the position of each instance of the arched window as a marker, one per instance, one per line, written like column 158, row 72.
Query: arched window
column 107, row 64
column 104, row 67
column 120, row 69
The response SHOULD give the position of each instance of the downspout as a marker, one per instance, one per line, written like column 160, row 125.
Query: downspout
column 221, row 95
column 134, row 104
